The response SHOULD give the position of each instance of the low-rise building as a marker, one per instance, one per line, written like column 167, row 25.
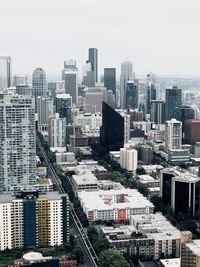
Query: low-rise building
column 148, row 181
column 170, row 262
column 190, row 254
column 116, row 205
column 85, row 181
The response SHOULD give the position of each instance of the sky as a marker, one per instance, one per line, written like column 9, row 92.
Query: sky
column 162, row 36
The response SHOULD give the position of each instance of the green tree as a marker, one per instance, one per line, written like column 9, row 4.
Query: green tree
column 79, row 254
column 112, row 258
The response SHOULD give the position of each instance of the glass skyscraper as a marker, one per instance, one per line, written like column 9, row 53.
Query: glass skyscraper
column 39, row 84
column 110, row 79
column 5, row 72
column 93, row 59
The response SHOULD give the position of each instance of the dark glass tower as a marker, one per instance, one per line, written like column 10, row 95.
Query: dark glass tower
column 112, row 129
column 93, row 59
column 151, row 95
column 173, row 99
column 182, row 114
column 132, row 95
column 110, row 79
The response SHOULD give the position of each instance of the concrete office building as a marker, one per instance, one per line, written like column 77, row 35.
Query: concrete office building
column 173, row 134
column 5, row 72
column 17, row 142
column 44, row 110
column 157, row 111
column 94, row 96
column 70, row 76
column 57, row 131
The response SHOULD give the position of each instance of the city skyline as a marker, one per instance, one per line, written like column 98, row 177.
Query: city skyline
column 157, row 37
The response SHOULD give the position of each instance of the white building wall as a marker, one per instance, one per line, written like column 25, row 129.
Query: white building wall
column 56, row 223
column 17, row 223
column 5, row 226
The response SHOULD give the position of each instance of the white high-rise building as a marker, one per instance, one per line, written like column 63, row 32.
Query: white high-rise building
column 5, row 73
column 129, row 158
column 5, row 226
column 70, row 76
column 126, row 117
column 57, row 131
column 90, row 123
column 39, row 84
column 126, row 75
column 173, row 134
column 45, row 109
column 17, row 142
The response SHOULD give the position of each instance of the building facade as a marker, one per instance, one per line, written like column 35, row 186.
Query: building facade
column 17, row 142
column 5, row 72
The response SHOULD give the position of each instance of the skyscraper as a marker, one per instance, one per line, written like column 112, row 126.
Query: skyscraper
column 151, row 95
column 157, row 112
column 173, row 134
column 39, row 84
column 45, row 109
column 132, row 95
column 88, row 75
column 17, row 142
column 173, row 100
column 112, row 129
column 64, row 106
column 70, row 76
column 126, row 75
column 93, row 59
column 5, row 72
column 110, row 79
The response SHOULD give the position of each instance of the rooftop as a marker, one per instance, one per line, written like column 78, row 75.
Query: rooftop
column 194, row 246
column 107, row 200
column 171, row 262
column 85, row 178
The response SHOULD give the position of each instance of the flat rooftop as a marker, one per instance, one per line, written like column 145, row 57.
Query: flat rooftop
column 85, row 178
column 107, row 200
column 146, row 178
column 171, row 262
column 194, row 246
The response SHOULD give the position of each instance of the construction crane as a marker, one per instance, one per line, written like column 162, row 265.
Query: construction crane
column 74, row 106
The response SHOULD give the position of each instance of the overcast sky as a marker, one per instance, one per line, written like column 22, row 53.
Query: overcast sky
column 162, row 36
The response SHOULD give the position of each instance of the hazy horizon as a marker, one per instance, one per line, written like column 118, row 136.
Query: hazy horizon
column 158, row 36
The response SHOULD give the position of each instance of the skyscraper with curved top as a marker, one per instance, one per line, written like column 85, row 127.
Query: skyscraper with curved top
column 126, row 75
column 39, row 84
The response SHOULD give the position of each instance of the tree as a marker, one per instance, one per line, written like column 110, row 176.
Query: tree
column 79, row 254
column 101, row 244
column 112, row 258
